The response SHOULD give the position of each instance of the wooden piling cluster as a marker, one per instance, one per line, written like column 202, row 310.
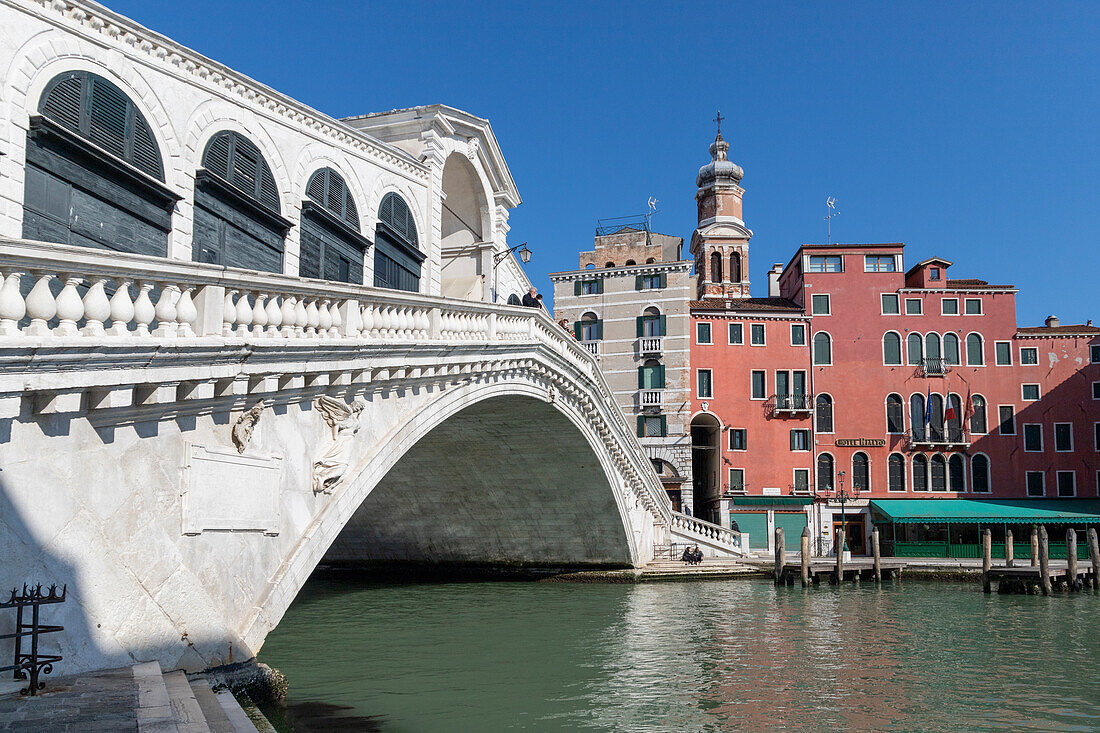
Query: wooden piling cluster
column 810, row 572
column 1039, row 577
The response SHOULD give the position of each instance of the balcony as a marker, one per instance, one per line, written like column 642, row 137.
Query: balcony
column 934, row 367
column 592, row 347
column 650, row 345
column 933, row 438
column 792, row 405
column 651, row 398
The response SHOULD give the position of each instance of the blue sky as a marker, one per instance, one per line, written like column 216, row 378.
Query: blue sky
column 966, row 130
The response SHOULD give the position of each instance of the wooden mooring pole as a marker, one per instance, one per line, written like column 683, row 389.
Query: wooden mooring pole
column 1044, row 561
column 780, row 555
column 1094, row 555
column 840, row 556
column 1034, row 546
column 1010, row 550
column 987, row 558
column 1071, row 559
column 877, row 555
column 805, row 550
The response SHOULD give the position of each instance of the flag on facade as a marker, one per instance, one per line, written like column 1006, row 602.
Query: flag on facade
column 928, row 408
column 949, row 415
column 968, row 409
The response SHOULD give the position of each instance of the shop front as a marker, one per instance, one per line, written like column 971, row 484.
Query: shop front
column 760, row 516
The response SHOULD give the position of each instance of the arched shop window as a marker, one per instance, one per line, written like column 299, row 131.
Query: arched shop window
column 397, row 255
column 94, row 174
column 237, row 219
column 979, row 474
column 332, row 247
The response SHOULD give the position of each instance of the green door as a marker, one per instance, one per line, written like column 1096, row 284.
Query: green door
column 792, row 524
column 756, row 524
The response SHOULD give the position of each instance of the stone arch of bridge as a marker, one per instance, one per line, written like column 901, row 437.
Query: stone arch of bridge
column 491, row 471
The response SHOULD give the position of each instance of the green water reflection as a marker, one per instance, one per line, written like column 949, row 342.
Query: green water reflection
column 718, row 656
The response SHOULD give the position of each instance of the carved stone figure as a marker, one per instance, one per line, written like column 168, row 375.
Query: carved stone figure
column 246, row 423
column 331, row 465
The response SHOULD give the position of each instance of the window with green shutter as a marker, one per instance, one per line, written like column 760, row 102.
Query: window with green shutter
column 651, row 375
column 652, row 426
column 654, row 281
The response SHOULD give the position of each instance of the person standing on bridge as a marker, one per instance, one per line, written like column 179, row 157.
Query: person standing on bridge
column 530, row 300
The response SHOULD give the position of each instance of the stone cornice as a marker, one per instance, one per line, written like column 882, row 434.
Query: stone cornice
column 606, row 272
column 93, row 19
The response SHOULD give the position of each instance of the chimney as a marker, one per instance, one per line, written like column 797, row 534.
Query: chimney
column 1089, row 323
column 773, row 279
column 1052, row 321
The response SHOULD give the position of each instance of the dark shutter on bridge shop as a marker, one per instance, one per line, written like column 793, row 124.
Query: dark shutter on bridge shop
column 332, row 247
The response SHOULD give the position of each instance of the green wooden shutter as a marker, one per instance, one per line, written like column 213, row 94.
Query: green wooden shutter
column 641, row 426
column 640, row 324
column 664, row 280
column 792, row 440
column 577, row 329
column 641, row 377
column 660, row 377
column 599, row 329
column 664, row 426
column 599, row 286
column 576, row 287
column 637, row 282
column 664, row 327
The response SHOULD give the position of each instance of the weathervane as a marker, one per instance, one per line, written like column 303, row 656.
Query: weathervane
column 830, row 212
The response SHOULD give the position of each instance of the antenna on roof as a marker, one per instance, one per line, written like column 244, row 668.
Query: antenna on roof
column 830, row 212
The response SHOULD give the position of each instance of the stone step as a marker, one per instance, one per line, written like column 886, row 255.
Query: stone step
column 154, row 707
column 212, row 709
column 185, row 708
column 244, row 721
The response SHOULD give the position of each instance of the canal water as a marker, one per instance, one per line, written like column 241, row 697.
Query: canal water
column 703, row 656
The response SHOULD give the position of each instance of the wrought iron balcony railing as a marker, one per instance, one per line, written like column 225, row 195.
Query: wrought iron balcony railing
column 793, row 404
column 934, row 367
column 949, row 437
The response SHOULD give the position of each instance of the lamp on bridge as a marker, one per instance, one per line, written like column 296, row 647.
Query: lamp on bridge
column 520, row 249
column 842, row 496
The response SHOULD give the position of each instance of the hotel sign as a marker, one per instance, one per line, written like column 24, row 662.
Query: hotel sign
column 859, row 442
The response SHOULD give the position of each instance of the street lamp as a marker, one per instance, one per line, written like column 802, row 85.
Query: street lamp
column 524, row 254
column 841, row 496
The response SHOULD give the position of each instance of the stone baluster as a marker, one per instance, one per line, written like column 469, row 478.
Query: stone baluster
column 166, row 311
column 187, row 315
column 289, row 313
column 274, row 316
column 70, row 308
column 424, row 323
column 301, row 317
column 259, row 315
column 370, row 321
column 324, row 319
column 385, row 322
column 97, row 308
column 336, row 318
column 122, row 309
column 229, row 313
column 41, row 305
column 313, row 318
column 12, row 307
column 144, row 312
column 243, row 316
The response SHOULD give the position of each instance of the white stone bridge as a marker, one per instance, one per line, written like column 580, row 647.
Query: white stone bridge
column 183, row 443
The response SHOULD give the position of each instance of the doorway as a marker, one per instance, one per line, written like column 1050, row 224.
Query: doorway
column 853, row 533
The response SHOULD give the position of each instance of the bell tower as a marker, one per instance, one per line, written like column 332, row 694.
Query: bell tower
column 720, row 243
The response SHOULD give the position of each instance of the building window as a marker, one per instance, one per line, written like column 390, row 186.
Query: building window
column 790, row 388
column 861, row 473
column 891, row 349
column 920, row 473
column 737, row 334
column 655, row 281
column 706, row 389
column 826, row 263
column 759, row 385
column 1094, row 353
column 1007, row 416
column 979, row 474
column 933, row 273
column 1067, row 483
column 1033, row 438
column 824, row 413
column 1002, row 353
column 949, row 306
column 1096, row 390
column 895, row 472
column 932, row 347
column 756, row 334
column 895, row 414
column 819, row 305
column 915, row 349
column 973, row 307
column 715, row 267
column 951, row 349
column 589, row 328
column 879, row 263
column 1029, row 355
column 651, row 375
column 650, row 324
column 800, row 440
column 824, row 472
column 935, row 417
column 978, row 424
column 823, row 349
column 890, row 305
column 956, row 473
column 652, row 426
column 917, row 416
column 938, row 470
column 1063, row 437
column 588, row 287
column 737, row 480
column 913, row 306
column 397, row 255
column 739, row 439
column 798, row 334
column 702, row 333
column 331, row 246
column 1029, row 392
column 1036, row 483
column 974, row 353
column 735, row 267
column 1096, row 436
column 801, row 481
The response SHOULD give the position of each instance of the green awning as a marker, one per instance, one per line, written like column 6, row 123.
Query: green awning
column 986, row 511
column 772, row 500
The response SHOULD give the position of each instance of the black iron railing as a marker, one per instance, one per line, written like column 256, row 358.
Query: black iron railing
column 793, row 402
column 934, row 367
column 934, row 436
column 29, row 664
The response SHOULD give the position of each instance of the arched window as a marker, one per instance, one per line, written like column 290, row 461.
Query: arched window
column 935, row 421
column 823, row 349
column 715, row 267
column 895, row 414
column 735, row 267
column 397, row 255
column 939, row 473
column 974, row 352
column 650, row 260
column 932, row 346
column 916, row 416
column 920, row 473
column 954, row 423
column 590, row 266
column 94, row 174
column 824, row 413
column 630, row 263
column 956, row 473
column 977, row 416
column 896, row 471
column 951, row 349
column 915, row 347
column 589, row 327
column 861, row 475
column 824, row 472
column 979, row 474
column 609, row 264
column 651, row 375
column 237, row 221
column 651, row 323
column 332, row 247
column 891, row 349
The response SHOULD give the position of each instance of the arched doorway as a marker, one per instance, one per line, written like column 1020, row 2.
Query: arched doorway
column 467, row 258
column 706, row 454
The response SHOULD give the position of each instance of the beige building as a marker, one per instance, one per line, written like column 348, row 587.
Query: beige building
column 628, row 304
